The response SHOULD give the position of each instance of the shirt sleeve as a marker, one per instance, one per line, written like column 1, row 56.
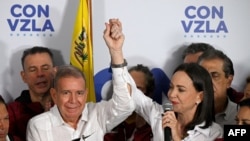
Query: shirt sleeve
column 121, row 105
column 146, row 107
column 150, row 110
column 120, row 76
column 31, row 132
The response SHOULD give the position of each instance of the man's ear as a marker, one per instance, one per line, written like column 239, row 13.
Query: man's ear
column 22, row 73
column 53, row 94
column 54, row 71
column 86, row 94
column 229, row 80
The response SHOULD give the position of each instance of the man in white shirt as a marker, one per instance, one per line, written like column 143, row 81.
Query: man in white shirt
column 73, row 119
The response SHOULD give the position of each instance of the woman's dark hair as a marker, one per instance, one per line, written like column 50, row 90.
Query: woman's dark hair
column 201, row 82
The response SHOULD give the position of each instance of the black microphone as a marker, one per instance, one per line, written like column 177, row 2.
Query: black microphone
column 167, row 131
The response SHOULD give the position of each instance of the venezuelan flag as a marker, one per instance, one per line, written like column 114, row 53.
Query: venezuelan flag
column 81, row 54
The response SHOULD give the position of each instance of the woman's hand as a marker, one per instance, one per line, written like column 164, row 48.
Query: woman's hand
column 169, row 120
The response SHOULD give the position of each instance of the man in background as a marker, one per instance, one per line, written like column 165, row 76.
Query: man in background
column 243, row 115
column 220, row 68
column 4, row 123
column 191, row 55
column 193, row 52
column 38, row 70
column 247, row 89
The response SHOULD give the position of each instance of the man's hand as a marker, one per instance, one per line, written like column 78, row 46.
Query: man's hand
column 114, row 39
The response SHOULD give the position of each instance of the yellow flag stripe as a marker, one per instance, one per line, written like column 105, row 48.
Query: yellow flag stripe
column 81, row 54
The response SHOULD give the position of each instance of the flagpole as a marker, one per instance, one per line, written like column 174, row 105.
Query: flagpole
column 89, row 3
column 90, row 15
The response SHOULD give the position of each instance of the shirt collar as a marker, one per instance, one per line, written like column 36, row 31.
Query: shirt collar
column 60, row 120
column 85, row 113
column 198, row 128
column 228, row 109
column 54, row 110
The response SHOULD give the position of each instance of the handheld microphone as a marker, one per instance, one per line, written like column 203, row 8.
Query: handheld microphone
column 167, row 131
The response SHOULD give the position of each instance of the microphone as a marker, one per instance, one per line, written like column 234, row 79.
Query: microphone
column 167, row 131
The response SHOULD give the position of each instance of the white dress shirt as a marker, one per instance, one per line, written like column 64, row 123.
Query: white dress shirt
column 209, row 134
column 227, row 117
column 7, row 138
column 96, row 120
column 151, row 112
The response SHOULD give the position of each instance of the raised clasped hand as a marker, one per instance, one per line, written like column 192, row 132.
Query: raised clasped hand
column 113, row 35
